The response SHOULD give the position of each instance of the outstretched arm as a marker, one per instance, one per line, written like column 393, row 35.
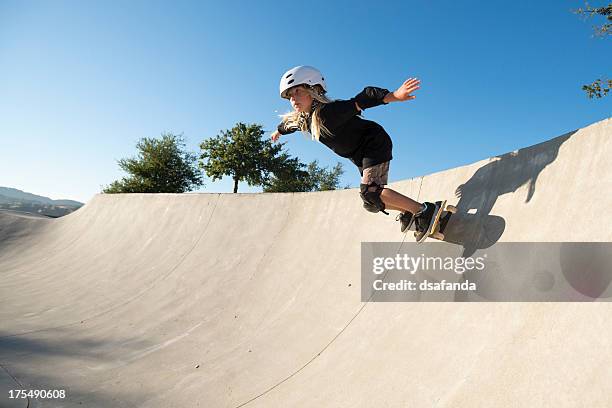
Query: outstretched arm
column 282, row 129
column 403, row 92
column 400, row 94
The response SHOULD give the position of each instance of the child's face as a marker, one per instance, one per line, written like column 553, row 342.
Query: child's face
column 300, row 99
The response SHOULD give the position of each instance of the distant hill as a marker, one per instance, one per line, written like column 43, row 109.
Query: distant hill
column 17, row 200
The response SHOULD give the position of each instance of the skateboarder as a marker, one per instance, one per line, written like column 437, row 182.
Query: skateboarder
column 336, row 124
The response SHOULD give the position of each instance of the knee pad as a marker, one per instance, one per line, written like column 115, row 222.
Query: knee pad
column 371, row 197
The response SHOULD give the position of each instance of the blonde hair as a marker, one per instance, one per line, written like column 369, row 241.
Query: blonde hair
column 300, row 120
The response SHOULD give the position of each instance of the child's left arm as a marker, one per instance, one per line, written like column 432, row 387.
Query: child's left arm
column 403, row 92
column 368, row 98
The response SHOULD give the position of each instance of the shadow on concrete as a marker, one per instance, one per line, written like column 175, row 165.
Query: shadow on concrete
column 34, row 364
column 473, row 226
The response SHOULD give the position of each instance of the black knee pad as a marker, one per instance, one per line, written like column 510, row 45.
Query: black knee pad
column 371, row 199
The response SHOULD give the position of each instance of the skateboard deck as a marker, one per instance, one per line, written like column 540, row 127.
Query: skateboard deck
column 440, row 220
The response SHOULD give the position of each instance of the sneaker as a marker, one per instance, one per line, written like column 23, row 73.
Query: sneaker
column 423, row 219
column 406, row 219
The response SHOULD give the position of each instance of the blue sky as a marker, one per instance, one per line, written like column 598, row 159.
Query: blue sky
column 82, row 82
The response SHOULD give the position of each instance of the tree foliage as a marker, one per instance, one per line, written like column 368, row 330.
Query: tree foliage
column 598, row 88
column 162, row 166
column 289, row 176
column 324, row 179
column 294, row 176
column 605, row 11
column 241, row 154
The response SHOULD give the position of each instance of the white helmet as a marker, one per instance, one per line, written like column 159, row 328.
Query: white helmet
column 303, row 74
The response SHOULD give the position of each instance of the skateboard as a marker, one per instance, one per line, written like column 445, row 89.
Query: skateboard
column 440, row 220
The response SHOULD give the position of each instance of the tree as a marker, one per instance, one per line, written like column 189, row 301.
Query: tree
column 290, row 177
column 162, row 166
column 241, row 154
column 325, row 179
column 598, row 88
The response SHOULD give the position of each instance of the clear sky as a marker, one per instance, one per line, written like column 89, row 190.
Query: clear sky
column 82, row 82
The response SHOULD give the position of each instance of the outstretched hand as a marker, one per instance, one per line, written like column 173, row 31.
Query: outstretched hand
column 275, row 135
column 403, row 92
column 459, row 191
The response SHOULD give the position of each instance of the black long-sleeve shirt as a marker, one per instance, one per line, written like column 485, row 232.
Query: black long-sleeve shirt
column 364, row 142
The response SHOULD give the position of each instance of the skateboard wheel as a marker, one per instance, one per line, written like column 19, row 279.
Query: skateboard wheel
column 438, row 235
column 451, row 209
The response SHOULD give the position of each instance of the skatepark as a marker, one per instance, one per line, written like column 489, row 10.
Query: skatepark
column 253, row 300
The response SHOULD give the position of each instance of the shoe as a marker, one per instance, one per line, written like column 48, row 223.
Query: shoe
column 423, row 219
column 406, row 219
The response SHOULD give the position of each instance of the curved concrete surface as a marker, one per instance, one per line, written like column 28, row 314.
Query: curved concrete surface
column 230, row 300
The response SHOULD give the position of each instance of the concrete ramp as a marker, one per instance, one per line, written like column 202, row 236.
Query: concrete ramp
column 231, row 300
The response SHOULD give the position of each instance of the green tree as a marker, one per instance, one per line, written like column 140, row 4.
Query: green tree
column 289, row 176
column 600, row 87
column 325, row 179
column 162, row 166
column 293, row 176
column 242, row 154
